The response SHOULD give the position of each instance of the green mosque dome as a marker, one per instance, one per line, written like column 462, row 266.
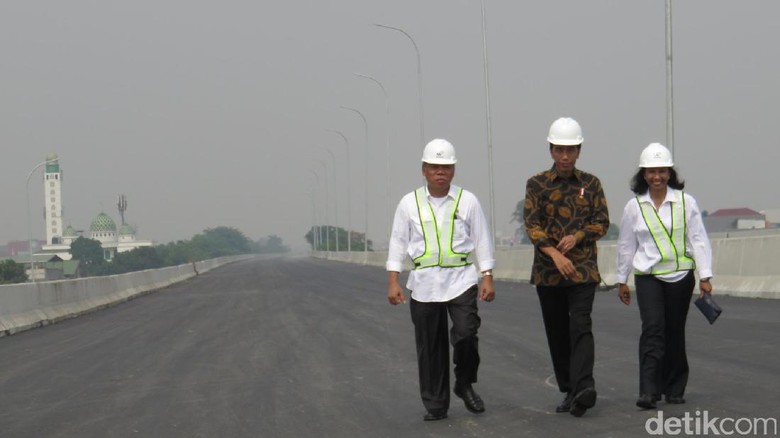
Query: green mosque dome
column 102, row 223
column 126, row 230
column 69, row 232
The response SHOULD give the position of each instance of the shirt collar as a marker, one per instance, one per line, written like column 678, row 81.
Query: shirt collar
column 453, row 193
column 671, row 196
column 552, row 174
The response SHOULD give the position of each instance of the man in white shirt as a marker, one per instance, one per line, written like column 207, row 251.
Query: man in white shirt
column 438, row 227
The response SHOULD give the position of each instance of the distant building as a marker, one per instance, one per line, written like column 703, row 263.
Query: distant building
column 52, row 191
column 734, row 219
column 772, row 217
column 21, row 247
column 58, row 269
column 103, row 228
column 113, row 240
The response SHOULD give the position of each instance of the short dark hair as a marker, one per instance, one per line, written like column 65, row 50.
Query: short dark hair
column 579, row 146
column 639, row 185
column 441, row 165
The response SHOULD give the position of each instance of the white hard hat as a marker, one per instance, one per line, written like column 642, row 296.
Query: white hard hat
column 655, row 155
column 565, row 132
column 439, row 151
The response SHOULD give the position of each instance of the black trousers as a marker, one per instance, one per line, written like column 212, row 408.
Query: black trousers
column 433, row 350
column 663, row 306
column 566, row 312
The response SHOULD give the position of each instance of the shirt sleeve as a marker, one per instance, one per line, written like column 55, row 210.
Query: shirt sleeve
column 697, row 239
column 399, row 239
column 484, row 250
column 627, row 242
column 598, row 224
column 532, row 216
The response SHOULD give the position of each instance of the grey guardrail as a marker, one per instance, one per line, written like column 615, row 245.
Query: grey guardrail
column 742, row 266
column 28, row 305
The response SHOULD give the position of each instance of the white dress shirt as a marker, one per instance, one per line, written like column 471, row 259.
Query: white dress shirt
column 637, row 250
column 471, row 234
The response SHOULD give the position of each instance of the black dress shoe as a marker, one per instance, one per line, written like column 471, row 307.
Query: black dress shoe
column 435, row 415
column 675, row 399
column 471, row 399
column 565, row 405
column 646, row 401
column 583, row 401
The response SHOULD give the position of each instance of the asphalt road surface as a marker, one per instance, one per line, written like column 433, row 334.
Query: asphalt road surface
column 298, row 347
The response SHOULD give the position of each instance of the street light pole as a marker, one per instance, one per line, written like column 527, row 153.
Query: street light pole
column 29, row 227
column 669, row 94
column 349, row 192
column 387, row 146
column 336, row 195
column 365, row 185
column 314, row 219
column 489, row 124
column 318, row 240
column 419, row 79
column 327, row 201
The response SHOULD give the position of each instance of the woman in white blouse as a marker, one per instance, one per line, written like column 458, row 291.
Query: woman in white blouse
column 662, row 241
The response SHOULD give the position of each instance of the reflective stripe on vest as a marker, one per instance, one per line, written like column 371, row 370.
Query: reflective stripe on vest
column 671, row 245
column 438, row 239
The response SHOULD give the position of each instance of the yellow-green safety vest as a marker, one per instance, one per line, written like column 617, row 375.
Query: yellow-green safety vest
column 438, row 237
column 672, row 246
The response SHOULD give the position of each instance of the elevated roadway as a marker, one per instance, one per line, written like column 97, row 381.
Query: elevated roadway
column 299, row 347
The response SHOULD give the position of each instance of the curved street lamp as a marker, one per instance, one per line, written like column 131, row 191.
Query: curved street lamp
column 327, row 202
column 335, row 195
column 489, row 126
column 669, row 93
column 387, row 146
column 313, row 196
column 349, row 192
column 419, row 79
column 365, row 185
column 319, row 227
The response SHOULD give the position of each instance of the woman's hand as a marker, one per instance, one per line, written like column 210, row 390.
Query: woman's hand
column 705, row 286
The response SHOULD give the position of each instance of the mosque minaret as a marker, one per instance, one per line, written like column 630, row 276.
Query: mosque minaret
column 52, row 179
column 103, row 228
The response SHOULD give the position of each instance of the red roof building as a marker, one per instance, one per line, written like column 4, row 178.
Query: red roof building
column 734, row 219
column 735, row 212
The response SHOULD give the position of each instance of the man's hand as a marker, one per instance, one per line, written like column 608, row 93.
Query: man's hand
column 565, row 266
column 566, row 244
column 624, row 294
column 486, row 290
column 562, row 263
column 395, row 295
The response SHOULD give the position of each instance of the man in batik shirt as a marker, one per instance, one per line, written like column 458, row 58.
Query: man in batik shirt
column 565, row 214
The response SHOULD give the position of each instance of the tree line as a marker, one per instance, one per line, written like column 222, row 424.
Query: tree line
column 211, row 243
column 330, row 238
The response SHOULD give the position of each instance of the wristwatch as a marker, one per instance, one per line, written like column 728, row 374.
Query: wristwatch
column 488, row 273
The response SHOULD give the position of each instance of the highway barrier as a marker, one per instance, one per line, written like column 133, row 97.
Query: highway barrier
column 742, row 266
column 29, row 305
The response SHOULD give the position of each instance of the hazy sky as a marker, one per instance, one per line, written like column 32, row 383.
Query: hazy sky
column 207, row 113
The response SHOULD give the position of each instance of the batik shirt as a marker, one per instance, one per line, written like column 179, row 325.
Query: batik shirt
column 555, row 207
